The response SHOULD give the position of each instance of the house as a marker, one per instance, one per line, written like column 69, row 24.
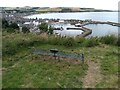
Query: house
column 78, row 25
column 61, row 21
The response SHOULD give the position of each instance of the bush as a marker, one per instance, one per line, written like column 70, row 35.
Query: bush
column 80, row 40
column 25, row 29
column 43, row 27
column 15, row 42
column 69, row 42
column 118, row 41
column 110, row 39
column 10, row 30
column 50, row 30
column 5, row 23
column 91, row 42
column 64, row 41
column 14, row 26
column 54, row 40
column 9, row 48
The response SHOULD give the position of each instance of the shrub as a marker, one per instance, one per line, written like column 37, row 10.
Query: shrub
column 64, row 41
column 50, row 30
column 9, row 48
column 79, row 40
column 54, row 40
column 109, row 39
column 90, row 42
column 25, row 29
column 10, row 30
column 14, row 26
column 118, row 41
column 69, row 42
column 5, row 23
column 43, row 27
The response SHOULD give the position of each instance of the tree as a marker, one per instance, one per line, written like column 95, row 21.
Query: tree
column 43, row 27
column 14, row 26
column 5, row 23
column 51, row 30
column 25, row 29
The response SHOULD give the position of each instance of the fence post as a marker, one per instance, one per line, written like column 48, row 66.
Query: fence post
column 82, row 57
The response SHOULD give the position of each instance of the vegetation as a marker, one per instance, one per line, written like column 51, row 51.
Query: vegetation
column 5, row 24
column 91, row 42
column 109, row 40
column 10, row 30
column 25, row 29
column 69, row 42
column 50, row 31
column 23, row 69
column 43, row 27
column 44, row 73
column 9, row 27
column 66, row 10
column 14, row 26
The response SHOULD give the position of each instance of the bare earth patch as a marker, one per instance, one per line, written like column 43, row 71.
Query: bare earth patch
column 93, row 75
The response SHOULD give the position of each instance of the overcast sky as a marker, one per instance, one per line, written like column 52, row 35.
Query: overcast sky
column 98, row 4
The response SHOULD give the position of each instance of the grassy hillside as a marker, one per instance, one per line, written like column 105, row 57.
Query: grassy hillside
column 23, row 69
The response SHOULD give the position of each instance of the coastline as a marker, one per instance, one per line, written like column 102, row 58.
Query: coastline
column 20, row 19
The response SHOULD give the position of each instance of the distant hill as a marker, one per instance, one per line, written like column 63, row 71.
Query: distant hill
column 57, row 9
column 72, row 9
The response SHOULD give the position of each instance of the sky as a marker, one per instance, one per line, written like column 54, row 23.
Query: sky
column 98, row 4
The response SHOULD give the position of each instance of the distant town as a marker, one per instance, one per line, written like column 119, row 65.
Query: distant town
column 17, row 15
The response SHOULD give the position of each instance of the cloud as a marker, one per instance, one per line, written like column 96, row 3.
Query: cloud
column 99, row 4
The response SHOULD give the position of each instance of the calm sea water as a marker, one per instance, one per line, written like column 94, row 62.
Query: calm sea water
column 66, row 32
column 102, row 30
column 97, row 30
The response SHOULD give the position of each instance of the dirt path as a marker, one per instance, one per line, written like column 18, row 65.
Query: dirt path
column 93, row 75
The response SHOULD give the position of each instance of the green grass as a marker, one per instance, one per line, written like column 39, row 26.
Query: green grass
column 39, row 73
column 109, row 68
column 22, row 69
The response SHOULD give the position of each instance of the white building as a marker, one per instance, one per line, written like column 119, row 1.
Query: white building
column 61, row 21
